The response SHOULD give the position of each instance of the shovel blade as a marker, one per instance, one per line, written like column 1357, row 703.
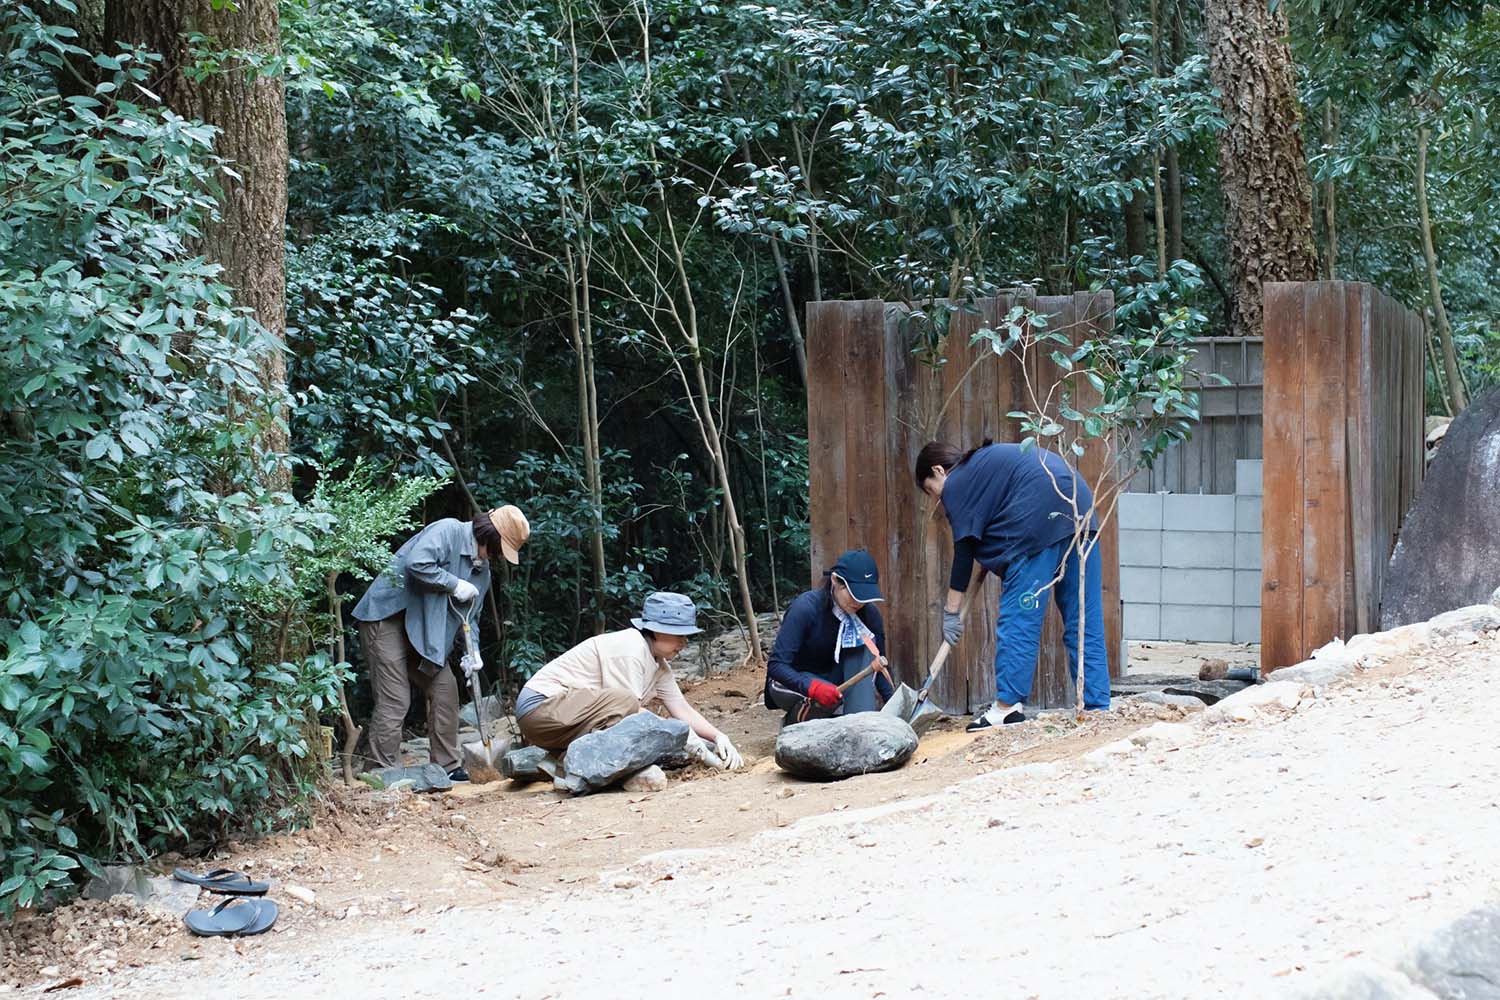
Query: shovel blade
column 904, row 704
column 483, row 763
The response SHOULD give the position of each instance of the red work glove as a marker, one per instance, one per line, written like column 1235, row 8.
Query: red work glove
column 824, row 693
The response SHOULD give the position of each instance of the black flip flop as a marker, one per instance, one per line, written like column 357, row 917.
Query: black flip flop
column 224, row 881
column 232, row 917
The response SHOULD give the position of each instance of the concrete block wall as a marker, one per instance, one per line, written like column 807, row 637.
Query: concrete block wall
column 1190, row 564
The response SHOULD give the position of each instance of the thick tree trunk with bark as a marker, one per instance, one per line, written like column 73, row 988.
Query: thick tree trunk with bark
column 1261, row 159
column 248, row 238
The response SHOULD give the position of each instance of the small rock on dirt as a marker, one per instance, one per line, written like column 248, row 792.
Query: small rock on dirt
column 423, row 777
column 524, row 764
column 651, row 779
column 300, row 892
column 832, row 749
column 1213, row 669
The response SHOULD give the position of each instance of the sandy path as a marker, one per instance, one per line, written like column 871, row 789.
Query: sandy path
column 1245, row 863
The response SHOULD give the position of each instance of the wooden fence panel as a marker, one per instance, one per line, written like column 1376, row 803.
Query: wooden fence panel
column 872, row 404
column 1342, row 458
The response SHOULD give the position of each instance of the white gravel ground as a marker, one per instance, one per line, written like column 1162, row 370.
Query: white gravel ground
column 1247, row 862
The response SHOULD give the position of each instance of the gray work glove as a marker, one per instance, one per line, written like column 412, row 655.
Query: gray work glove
column 953, row 627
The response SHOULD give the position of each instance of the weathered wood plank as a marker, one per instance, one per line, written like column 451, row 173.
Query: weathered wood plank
column 1360, row 439
column 826, row 326
column 866, row 433
column 1324, row 559
column 1282, row 503
column 902, row 579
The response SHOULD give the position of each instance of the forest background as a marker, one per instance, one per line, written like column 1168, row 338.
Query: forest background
column 280, row 282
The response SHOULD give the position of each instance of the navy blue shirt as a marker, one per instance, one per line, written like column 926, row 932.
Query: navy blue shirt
column 1007, row 506
column 803, row 652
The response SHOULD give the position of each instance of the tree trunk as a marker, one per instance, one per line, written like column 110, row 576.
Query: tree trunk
column 248, row 238
column 1174, row 168
column 1456, row 390
column 1330, row 197
column 1135, row 209
column 1261, row 162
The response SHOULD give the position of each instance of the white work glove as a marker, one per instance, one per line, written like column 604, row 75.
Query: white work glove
column 464, row 591
column 700, row 751
column 727, row 753
column 471, row 663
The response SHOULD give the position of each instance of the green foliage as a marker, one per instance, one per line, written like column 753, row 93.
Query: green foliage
column 155, row 688
column 377, row 357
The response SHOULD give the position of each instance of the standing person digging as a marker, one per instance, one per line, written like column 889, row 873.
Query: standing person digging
column 827, row 637
column 408, row 620
column 1016, row 510
column 604, row 679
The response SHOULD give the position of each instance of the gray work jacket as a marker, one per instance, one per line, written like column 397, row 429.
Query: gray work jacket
column 419, row 582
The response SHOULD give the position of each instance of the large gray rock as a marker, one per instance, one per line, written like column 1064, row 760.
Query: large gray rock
column 1363, row 980
column 1448, row 553
column 1461, row 959
column 831, row 749
column 598, row 760
column 423, row 777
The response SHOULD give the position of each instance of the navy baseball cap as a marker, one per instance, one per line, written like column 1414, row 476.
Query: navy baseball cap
column 858, row 571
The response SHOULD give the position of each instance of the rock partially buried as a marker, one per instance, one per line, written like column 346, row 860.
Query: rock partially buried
column 652, row 779
column 598, row 760
column 423, row 778
column 1462, row 959
column 833, row 749
column 145, row 890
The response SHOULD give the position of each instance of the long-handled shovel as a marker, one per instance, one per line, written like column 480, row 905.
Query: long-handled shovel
column 480, row 759
column 913, row 706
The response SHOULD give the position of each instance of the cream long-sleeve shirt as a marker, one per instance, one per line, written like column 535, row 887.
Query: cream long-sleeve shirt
column 613, row 660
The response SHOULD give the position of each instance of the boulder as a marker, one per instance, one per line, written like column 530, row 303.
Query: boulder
column 1465, row 623
column 597, row 760
column 1449, row 546
column 1461, row 959
column 1283, row 695
column 1316, row 672
column 837, row 748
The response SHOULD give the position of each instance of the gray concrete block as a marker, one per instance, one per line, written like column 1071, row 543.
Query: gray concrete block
column 1190, row 512
column 1247, row 514
column 1140, row 584
column 1197, row 549
column 1140, row 548
column 1247, row 588
column 1196, row 623
column 1247, row 551
column 1142, row 621
column 1247, row 479
column 1140, row 511
column 1246, row 625
column 1198, row 586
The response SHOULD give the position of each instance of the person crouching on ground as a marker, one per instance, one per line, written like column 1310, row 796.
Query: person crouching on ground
column 605, row 678
column 410, row 616
column 1013, row 509
column 827, row 636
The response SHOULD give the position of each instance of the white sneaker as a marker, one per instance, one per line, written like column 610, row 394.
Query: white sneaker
column 998, row 714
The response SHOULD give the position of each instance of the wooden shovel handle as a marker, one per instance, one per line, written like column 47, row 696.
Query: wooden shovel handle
column 867, row 671
column 946, row 648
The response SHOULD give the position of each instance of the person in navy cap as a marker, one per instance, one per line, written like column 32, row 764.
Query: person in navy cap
column 827, row 636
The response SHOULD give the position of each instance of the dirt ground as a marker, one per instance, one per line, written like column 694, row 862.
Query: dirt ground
column 1220, row 858
column 375, row 857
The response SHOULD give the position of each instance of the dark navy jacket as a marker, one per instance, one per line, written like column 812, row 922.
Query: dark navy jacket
column 804, row 647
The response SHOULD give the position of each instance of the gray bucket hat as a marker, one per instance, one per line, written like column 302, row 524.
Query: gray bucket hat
column 668, row 613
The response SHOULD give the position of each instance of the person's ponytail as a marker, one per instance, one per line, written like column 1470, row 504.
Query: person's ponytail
column 970, row 453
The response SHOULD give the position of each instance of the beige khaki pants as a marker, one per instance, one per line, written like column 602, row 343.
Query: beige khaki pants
column 394, row 667
column 563, row 718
